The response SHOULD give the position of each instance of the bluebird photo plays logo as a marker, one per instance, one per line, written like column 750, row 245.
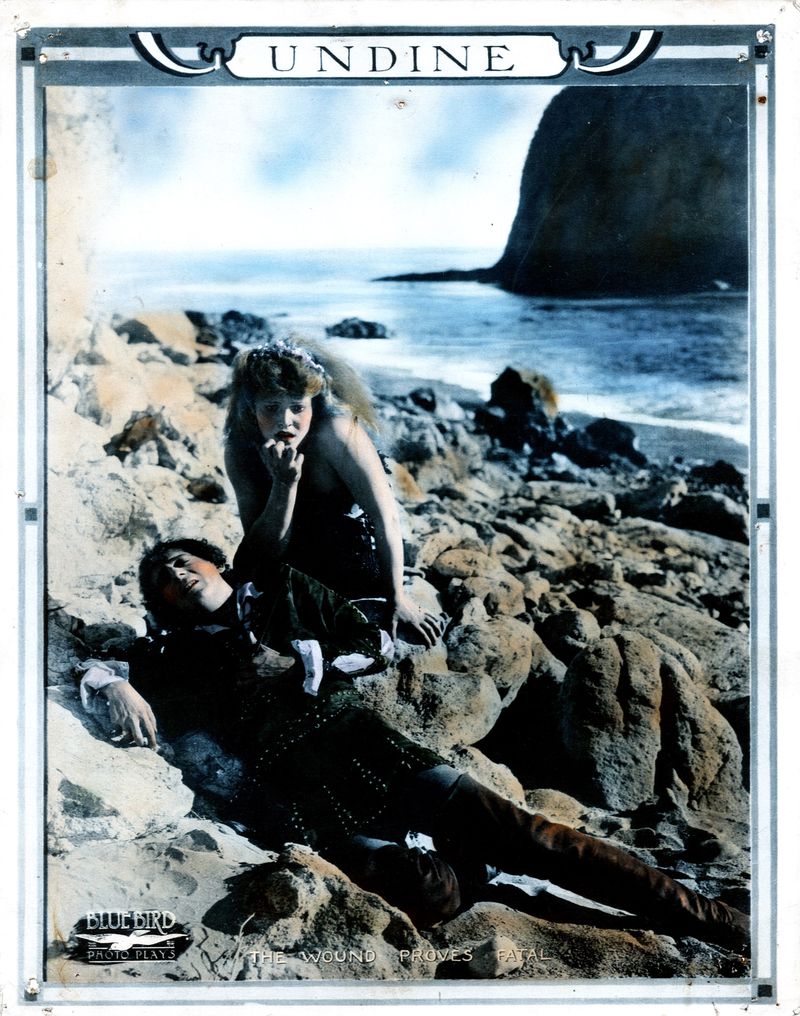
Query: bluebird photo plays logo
column 124, row 936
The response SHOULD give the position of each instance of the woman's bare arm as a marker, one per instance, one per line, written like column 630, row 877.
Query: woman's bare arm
column 350, row 452
column 243, row 474
column 266, row 519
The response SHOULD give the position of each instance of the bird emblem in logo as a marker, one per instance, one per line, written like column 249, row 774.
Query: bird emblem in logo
column 118, row 942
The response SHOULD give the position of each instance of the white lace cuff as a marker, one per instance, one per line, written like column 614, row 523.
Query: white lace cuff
column 98, row 674
column 311, row 658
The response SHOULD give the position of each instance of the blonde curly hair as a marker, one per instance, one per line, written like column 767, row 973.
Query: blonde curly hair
column 297, row 370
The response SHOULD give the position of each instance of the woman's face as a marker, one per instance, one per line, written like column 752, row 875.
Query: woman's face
column 284, row 418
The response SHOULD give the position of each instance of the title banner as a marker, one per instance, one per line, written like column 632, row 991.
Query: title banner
column 261, row 57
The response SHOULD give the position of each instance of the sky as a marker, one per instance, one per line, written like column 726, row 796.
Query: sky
column 275, row 167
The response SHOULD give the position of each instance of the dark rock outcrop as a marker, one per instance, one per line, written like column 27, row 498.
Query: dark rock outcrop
column 634, row 191
column 602, row 443
column 229, row 332
column 355, row 328
column 522, row 411
column 710, row 512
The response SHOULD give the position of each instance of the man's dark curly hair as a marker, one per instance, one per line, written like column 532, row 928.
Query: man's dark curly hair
column 149, row 568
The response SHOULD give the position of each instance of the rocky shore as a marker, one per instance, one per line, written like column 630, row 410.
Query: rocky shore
column 595, row 666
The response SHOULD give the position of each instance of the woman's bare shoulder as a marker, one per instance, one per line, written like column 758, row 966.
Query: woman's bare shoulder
column 339, row 432
column 349, row 452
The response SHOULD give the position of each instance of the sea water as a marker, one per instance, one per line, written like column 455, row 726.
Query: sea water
column 679, row 361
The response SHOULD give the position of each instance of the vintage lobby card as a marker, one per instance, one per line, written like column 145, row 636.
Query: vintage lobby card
column 550, row 240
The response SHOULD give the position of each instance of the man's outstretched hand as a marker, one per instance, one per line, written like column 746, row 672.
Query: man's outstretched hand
column 129, row 711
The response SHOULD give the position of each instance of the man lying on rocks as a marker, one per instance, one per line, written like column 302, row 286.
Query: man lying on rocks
column 266, row 668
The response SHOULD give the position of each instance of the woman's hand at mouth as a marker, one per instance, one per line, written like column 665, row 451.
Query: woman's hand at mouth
column 284, row 462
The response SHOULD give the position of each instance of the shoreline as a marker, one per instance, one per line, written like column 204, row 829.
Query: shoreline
column 659, row 442
column 662, row 442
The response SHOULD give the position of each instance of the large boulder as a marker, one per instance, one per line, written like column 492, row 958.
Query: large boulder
column 523, row 391
column 603, row 442
column 501, row 647
column 482, row 576
column 439, row 710
column 710, row 512
column 699, row 745
column 304, row 908
column 98, row 790
column 636, row 726
column 610, row 720
column 491, row 940
column 722, row 651
column 522, row 411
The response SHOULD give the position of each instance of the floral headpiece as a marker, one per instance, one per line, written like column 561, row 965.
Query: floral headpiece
column 280, row 348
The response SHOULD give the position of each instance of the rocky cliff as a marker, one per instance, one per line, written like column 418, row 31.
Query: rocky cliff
column 630, row 191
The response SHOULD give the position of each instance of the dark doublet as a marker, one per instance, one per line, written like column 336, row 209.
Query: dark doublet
column 333, row 764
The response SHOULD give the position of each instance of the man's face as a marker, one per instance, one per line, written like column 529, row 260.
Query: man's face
column 191, row 584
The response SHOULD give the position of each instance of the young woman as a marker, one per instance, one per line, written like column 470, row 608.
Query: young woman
column 311, row 487
column 265, row 667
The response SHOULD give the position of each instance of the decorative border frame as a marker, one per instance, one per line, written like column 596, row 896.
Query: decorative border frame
column 32, row 77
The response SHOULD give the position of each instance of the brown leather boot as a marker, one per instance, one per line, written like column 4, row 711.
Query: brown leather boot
column 477, row 823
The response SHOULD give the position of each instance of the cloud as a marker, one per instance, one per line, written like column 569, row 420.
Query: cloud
column 327, row 166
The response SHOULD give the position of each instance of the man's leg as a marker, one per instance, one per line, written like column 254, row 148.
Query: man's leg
column 476, row 824
column 419, row 882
